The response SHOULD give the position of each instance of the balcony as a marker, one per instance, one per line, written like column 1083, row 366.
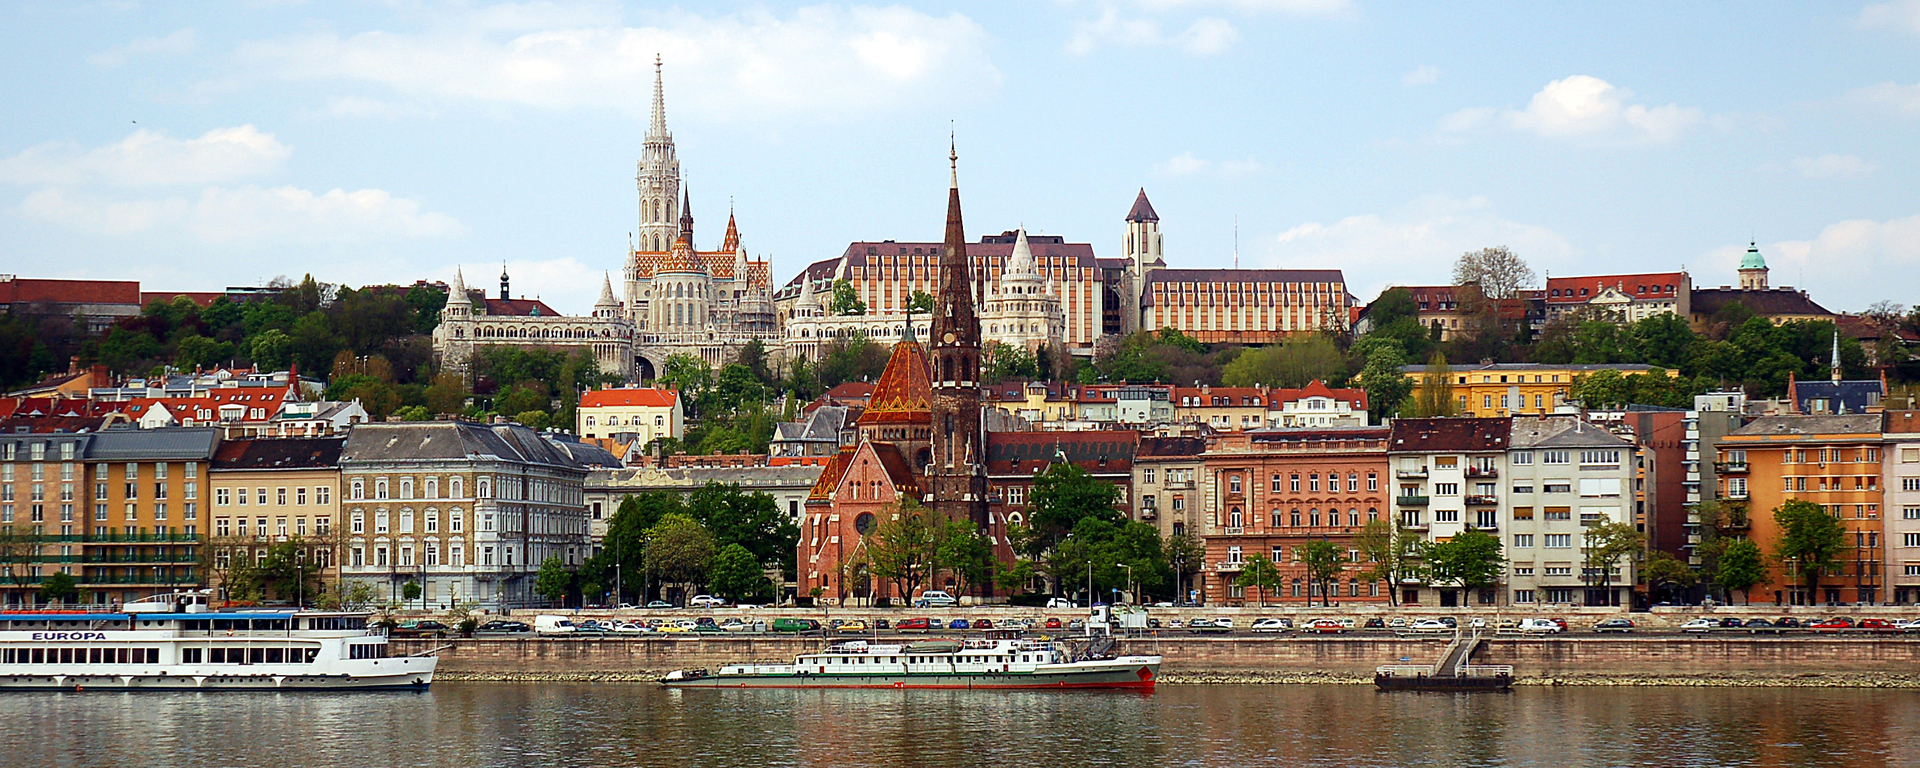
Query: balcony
column 1413, row 526
column 1179, row 485
column 1228, row 567
column 1486, row 528
column 1482, row 472
column 1418, row 473
column 1483, row 500
column 183, row 557
column 1233, row 531
column 1730, row 467
column 1411, row 501
column 1149, row 514
column 143, row 538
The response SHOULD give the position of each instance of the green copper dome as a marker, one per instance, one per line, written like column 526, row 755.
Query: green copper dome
column 1753, row 259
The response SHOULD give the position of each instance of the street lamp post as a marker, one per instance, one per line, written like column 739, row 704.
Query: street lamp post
column 1136, row 598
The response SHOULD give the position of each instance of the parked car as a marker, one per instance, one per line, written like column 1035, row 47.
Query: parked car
column 502, row 626
column 1833, row 625
column 1451, row 622
column 1375, row 623
column 1431, row 626
column 934, row 598
column 1877, row 625
column 1059, row 602
column 1623, row 626
column 1053, row 622
column 1562, row 623
column 1699, row 626
column 1272, row 625
column 1398, row 622
column 705, row 621
column 1076, row 625
column 1205, row 626
column 795, row 625
column 982, row 624
column 1175, row 624
column 1730, row 623
column 420, row 628
column 733, row 625
column 658, row 604
column 920, row 624
column 1911, row 625
column 1788, row 622
column 1477, row 623
column 1540, row 627
column 1757, row 626
column 552, row 625
column 958, row 624
column 706, row 601
column 853, row 626
column 1324, row 627
column 1026, row 624
column 628, row 628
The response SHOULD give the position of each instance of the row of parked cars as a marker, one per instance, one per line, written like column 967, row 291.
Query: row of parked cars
column 1833, row 625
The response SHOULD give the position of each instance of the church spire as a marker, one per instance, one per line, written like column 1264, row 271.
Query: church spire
column 959, row 442
column 686, row 213
column 658, row 128
column 1834, row 361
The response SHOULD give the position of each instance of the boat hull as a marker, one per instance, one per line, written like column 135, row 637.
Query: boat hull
column 1449, row 684
column 1139, row 676
column 411, row 674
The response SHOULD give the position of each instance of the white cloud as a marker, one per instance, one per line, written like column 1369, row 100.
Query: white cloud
column 816, row 62
column 91, row 191
column 1904, row 99
column 1415, row 244
column 1293, row 7
column 1585, row 109
column 148, row 157
column 1424, row 74
column 1900, row 14
column 1186, row 164
column 1205, row 37
column 1834, row 167
column 180, row 42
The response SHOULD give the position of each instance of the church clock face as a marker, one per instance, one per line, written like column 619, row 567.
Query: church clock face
column 949, row 337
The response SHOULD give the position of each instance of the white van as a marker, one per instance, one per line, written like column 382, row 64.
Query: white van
column 553, row 625
column 1539, row 627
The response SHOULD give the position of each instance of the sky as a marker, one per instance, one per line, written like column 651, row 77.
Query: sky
column 194, row 146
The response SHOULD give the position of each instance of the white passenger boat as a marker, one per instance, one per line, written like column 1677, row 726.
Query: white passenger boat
column 973, row 664
column 174, row 642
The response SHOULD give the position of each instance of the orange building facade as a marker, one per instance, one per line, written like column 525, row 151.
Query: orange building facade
column 1832, row 461
column 1273, row 491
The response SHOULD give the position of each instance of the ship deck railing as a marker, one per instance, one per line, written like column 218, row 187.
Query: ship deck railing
column 1428, row 670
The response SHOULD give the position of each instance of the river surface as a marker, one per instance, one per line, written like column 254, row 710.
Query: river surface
column 1231, row 726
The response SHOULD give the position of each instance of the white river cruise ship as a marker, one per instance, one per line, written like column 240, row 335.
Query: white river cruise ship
column 173, row 642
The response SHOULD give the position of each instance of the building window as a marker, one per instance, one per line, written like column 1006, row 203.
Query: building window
column 1373, row 481
column 1522, row 540
column 1559, row 540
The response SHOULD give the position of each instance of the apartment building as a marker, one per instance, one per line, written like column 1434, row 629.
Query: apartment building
column 1900, row 476
column 1164, row 481
column 646, row 413
column 468, row 511
column 1565, row 475
column 1275, row 490
column 1446, row 475
column 268, row 491
column 1514, row 389
column 1832, row 461
column 1221, row 408
column 146, row 531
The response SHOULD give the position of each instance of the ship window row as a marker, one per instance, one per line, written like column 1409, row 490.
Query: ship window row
column 80, row 656
column 228, row 625
column 367, row 651
column 250, row 655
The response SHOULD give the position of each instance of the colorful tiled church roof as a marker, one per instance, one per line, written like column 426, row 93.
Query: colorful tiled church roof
column 904, row 393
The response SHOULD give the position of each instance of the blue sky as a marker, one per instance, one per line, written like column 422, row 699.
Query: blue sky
column 198, row 145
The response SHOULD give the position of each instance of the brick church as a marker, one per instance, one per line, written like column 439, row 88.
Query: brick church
column 922, row 437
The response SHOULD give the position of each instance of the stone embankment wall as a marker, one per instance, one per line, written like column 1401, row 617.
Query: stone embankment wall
column 1613, row 659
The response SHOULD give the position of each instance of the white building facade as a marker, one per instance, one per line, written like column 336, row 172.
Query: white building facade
column 1563, row 476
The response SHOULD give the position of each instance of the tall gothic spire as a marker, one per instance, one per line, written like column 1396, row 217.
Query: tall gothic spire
column 959, row 442
column 686, row 213
column 658, row 128
column 1834, row 361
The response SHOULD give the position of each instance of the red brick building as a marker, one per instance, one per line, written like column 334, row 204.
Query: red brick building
column 1272, row 491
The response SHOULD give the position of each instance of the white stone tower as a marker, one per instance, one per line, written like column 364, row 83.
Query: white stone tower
column 1142, row 248
column 658, row 178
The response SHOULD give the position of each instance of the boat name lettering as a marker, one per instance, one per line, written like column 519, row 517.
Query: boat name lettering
column 69, row 635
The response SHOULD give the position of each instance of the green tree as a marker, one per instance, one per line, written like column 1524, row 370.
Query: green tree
column 554, row 581
column 1322, row 559
column 1393, row 555
column 1498, row 272
column 751, row 520
column 1257, row 572
column 1064, row 495
column 1471, row 559
column 1742, row 566
column 1386, row 384
column 1009, row 362
column 1810, row 540
column 288, row 573
column 964, row 553
column 679, row 550
column 193, row 351
column 849, row 358
column 754, row 356
column 59, row 588
column 1603, row 546
column 1301, row 359
column 737, row 577
column 1185, row 554
column 410, row 591
column 447, row 394
column 691, row 377
column 1663, row 572
column 1435, row 397
column 846, row 299
column 903, row 548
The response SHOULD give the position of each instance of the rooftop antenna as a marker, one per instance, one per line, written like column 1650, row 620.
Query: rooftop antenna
column 1236, row 241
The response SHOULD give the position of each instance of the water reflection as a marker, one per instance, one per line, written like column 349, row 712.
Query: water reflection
column 620, row 725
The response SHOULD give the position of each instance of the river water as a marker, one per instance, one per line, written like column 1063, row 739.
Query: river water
column 616, row 724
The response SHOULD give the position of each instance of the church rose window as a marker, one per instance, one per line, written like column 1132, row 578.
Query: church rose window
column 864, row 523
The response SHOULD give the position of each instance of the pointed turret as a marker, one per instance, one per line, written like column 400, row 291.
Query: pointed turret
column 658, row 128
column 1142, row 210
column 457, row 293
column 1834, row 361
column 686, row 214
column 503, row 282
column 1021, row 262
column 607, row 307
column 807, row 300
column 731, row 243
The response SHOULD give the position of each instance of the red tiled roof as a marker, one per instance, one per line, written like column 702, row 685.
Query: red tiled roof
column 852, row 390
column 904, row 393
column 1563, row 290
column 1451, row 434
column 638, row 396
column 830, row 475
column 1318, row 388
column 519, row 308
column 27, row 289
